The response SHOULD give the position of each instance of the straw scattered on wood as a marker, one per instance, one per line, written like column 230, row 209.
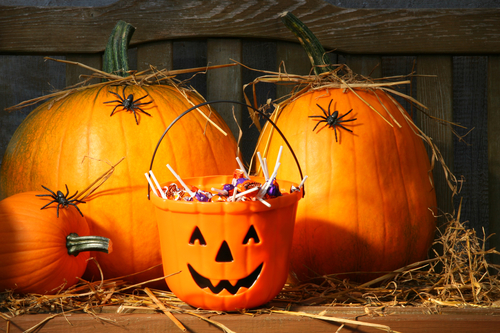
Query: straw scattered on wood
column 458, row 275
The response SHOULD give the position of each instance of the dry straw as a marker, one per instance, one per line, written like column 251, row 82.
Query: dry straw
column 342, row 77
column 151, row 76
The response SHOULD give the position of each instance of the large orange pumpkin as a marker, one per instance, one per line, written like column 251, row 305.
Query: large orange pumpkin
column 54, row 140
column 368, row 196
column 36, row 255
column 51, row 144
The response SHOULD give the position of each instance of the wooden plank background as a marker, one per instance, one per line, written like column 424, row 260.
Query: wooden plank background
column 460, row 46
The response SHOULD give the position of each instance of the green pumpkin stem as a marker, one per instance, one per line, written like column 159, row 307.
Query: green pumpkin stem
column 115, row 56
column 76, row 244
column 312, row 46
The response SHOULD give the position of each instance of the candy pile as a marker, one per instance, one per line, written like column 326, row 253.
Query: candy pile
column 242, row 187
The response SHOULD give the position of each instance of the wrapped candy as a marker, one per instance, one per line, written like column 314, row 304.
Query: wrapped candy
column 241, row 188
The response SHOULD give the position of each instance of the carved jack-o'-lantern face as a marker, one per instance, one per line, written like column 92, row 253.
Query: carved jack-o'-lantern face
column 230, row 255
column 224, row 255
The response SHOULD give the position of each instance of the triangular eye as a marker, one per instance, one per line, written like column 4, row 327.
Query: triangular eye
column 197, row 236
column 252, row 233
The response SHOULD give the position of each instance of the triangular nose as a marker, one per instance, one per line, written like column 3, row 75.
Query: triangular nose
column 224, row 254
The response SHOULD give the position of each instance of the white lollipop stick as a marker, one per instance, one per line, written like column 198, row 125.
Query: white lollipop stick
column 151, row 184
column 279, row 155
column 235, row 190
column 264, row 202
column 155, row 181
column 303, row 181
column 264, row 168
column 246, row 192
column 191, row 193
column 242, row 167
column 157, row 184
column 263, row 189
column 223, row 192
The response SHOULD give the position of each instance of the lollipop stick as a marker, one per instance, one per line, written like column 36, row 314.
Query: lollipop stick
column 246, row 192
column 191, row 193
column 264, row 168
column 263, row 189
column 264, row 202
column 303, row 181
column 157, row 184
column 151, row 184
column 279, row 155
column 242, row 167
column 221, row 192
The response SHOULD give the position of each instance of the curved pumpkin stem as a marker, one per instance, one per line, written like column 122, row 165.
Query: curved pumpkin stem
column 115, row 56
column 312, row 46
column 76, row 244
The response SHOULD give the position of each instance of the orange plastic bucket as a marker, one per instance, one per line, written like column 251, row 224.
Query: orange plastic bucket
column 230, row 255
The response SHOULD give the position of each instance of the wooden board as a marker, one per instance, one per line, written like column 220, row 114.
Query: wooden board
column 361, row 30
column 404, row 320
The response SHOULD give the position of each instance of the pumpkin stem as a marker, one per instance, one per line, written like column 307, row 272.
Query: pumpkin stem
column 76, row 244
column 115, row 56
column 312, row 46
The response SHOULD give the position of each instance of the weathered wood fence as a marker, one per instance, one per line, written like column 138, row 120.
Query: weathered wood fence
column 460, row 46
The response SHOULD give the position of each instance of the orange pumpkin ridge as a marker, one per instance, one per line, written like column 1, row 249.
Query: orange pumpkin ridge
column 34, row 256
column 119, row 209
column 368, row 195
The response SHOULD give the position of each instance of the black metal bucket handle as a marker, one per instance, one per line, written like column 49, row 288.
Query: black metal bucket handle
column 226, row 101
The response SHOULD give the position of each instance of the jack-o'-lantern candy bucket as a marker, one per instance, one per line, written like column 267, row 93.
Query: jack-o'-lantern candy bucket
column 230, row 254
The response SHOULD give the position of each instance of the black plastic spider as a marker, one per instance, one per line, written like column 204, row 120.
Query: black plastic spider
column 61, row 199
column 129, row 103
column 332, row 119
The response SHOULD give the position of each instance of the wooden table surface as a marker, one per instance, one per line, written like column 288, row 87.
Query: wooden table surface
column 399, row 319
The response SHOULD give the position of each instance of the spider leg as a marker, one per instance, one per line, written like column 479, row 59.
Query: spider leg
column 319, row 121
column 141, row 104
column 345, row 114
column 119, row 97
column 78, row 201
column 335, row 129
column 78, row 209
column 137, row 100
column 67, row 191
column 345, row 121
column 115, row 101
column 135, row 116
column 124, row 98
column 321, row 128
column 143, row 111
column 115, row 109
column 326, row 114
column 48, row 204
column 318, row 117
column 330, row 104
column 344, row 127
column 55, row 195
column 68, row 198
column 44, row 195
column 58, row 209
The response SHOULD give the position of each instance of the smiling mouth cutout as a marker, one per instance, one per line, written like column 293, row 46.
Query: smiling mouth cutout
column 246, row 282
